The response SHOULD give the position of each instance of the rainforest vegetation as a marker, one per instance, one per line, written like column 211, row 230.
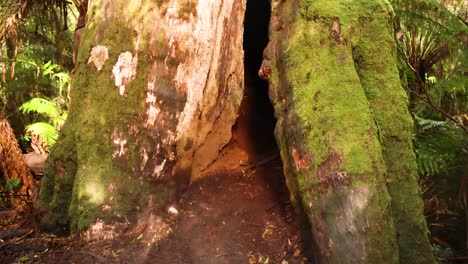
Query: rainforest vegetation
column 46, row 73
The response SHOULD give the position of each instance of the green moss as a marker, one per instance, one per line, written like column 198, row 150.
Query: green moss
column 323, row 112
column 376, row 63
column 160, row 47
column 57, row 183
column 187, row 8
column 327, row 91
column 113, row 35
column 100, row 184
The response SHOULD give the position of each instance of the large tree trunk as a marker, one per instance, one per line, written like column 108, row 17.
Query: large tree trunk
column 155, row 95
column 344, row 129
column 157, row 91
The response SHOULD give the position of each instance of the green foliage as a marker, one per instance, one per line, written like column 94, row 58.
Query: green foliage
column 11, row 185
column 440, row 147
column 59, row 79
column 36, row 55
column 6, row 190
column 449, row 94
column 430, row 30
column 442, row 254
column 432, row 41
column 432, row 38
column 45, row 132
column 429, row 159
column 52, row 110
column 40, row 106
column 24, row 259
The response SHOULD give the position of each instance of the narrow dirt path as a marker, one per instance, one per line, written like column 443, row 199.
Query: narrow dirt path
column 233, row 218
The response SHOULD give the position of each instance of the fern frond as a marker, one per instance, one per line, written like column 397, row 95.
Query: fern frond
column 439, row 147
column 45, row 132
column 428, row 161
column 40, row 106
column 426, row 124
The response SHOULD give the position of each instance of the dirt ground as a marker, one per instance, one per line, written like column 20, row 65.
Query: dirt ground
column 239, row 214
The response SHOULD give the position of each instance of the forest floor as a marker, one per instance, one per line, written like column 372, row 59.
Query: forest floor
column 236, row 215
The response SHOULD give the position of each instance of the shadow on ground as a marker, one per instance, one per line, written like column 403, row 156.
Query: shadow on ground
column 236, row 215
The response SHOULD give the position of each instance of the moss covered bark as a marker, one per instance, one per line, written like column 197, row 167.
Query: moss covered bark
column 153, row 83
column 89, row 174
column 376, row 62
column 57, row 184
column 320, row 62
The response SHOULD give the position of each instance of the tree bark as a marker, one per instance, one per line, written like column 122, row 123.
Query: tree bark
column 157, row 89
column 13, row 165
column 331, row 68
column 155, row 95
column 376, row 63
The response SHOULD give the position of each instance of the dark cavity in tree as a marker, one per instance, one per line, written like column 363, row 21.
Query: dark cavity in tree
column 254, row 128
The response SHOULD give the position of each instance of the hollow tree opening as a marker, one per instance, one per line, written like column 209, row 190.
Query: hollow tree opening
column 157, row 89
column 254, row 129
